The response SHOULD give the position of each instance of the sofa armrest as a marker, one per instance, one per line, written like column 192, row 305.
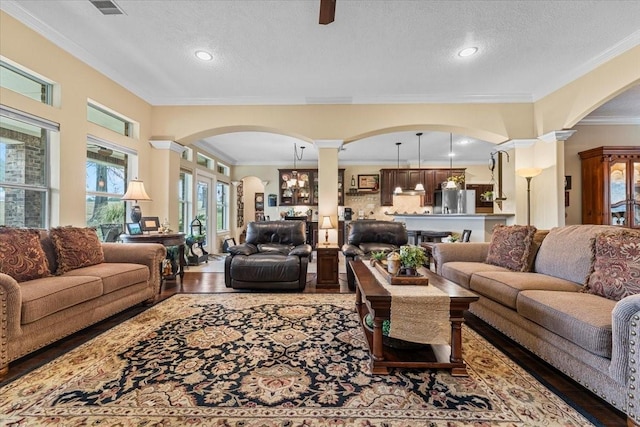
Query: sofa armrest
column 467, row 252
column 352, row 251
column 149, row 254
column 10, row 311
column 303, row 250
column 625, row 352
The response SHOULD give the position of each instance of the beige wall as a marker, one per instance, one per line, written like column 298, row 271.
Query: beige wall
column 585, row 138
column 76, row 83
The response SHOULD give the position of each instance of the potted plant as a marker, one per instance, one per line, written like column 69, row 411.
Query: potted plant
column 412, row 257
column 378, row 256
column 487, row 196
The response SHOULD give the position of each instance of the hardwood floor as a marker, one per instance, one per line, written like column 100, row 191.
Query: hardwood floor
column 214, row 283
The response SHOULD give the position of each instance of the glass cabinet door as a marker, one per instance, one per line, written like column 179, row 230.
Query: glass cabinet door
column 618, row 193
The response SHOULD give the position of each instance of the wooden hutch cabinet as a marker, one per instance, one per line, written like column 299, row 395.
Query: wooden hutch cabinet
column 611, row 186
column 300, row 187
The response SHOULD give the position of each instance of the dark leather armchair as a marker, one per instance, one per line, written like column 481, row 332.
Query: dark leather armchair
column 274, row 256
column 367, row 236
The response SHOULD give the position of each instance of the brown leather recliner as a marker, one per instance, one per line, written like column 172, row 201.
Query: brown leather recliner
column 366, row 236
column 274, row 256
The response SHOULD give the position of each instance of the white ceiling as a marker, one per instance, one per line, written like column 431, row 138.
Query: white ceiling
column 275, row 52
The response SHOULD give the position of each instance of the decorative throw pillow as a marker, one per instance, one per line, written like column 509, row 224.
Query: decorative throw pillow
column 510, row 246
column 21, row 255
column 76, row 247
column 616, row 268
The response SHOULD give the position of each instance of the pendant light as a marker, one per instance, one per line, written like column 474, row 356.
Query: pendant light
column 419, row 186
column 398, row 189
column 451, row 185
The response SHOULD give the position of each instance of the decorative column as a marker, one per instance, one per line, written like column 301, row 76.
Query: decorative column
column 328, row 184
column 165, row 175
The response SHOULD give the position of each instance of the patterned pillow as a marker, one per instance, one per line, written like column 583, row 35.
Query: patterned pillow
column 510, row 246
column 616, row 269
column 21, row 255
column 76, row 247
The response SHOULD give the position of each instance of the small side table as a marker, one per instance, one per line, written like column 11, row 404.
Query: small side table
column 166, row 239
column 327, row 272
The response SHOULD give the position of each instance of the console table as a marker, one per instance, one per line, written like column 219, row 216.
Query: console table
column 166, row 239
column 373, row 298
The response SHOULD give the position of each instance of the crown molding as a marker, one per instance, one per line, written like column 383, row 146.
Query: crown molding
column 609, row 120
column 557, row 135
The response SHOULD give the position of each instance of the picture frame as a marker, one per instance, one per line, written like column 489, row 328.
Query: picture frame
column 134, row 228
column 368, row 182
column 150, row 223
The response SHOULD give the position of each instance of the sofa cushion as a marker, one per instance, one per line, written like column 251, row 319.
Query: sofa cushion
column 584, row 319
column 21, row 255
column 567, row 253
column 460, row 271
column 76, row 247
column 42, row 297
column 510, row 246
column 278, row 248
column 504, row 286
column 114, row 275
column 616, row 270
column 538, row 238
column 265, row 267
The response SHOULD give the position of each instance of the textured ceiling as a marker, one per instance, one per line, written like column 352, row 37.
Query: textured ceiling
column 275, row 52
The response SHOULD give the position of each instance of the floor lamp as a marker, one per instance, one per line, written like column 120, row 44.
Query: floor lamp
column 529, row 173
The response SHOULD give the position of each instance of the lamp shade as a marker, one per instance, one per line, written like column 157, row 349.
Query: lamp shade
column 135, row 191
column 451, row 185
column 326, row 223
column 529, row 172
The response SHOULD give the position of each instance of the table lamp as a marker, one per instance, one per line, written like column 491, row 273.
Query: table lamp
column 135, row 192
column 326, row 225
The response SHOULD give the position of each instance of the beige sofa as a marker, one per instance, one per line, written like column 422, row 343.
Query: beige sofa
column 38, row 312
column 590, row 338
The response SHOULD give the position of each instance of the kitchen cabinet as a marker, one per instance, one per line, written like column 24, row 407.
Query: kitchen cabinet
column 408, row 178
column 300, row 187
column 386, row 187
column 611, row 186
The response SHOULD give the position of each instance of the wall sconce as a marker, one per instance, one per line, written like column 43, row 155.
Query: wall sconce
column 135, row 192
column 326, row 226
column 529, row 173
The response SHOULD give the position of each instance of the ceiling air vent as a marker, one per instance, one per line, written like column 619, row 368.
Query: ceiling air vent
column 107, row 7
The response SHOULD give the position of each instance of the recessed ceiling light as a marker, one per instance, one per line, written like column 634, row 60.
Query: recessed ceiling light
column 463, row 142
column 468, row 51
column 203, row 55
column 452, row 154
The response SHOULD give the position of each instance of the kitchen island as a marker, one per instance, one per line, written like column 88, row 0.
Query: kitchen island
column 481, row 225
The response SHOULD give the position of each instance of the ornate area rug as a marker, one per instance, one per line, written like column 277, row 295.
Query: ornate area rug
column 267, row 360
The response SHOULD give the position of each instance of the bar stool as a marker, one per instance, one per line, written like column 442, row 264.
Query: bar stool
column 414, row 236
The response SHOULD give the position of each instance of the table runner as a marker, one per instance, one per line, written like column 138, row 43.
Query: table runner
column 418, row 313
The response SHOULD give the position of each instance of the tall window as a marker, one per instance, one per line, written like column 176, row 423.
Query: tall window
column 24, row 83
column 24, row 171
column 185, row 201
column 105, row 185
column 222, row 206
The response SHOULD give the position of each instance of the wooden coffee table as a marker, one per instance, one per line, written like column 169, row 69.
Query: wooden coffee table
column 372, row 298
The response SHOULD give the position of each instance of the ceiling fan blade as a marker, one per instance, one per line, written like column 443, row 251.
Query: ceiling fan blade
column 327, row 11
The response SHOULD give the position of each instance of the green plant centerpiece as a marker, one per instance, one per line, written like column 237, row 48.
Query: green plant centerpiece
column 487, row 196
column 412, row 257
column 378, row 256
